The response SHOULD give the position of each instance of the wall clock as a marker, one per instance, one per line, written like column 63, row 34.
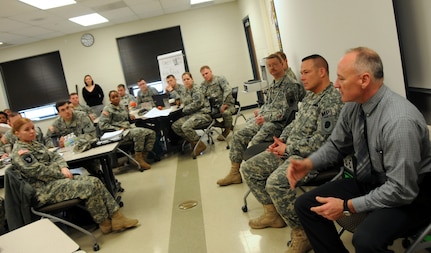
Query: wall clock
column 87, row 39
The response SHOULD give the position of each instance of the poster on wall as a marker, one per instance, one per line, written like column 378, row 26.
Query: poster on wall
column 171, row 64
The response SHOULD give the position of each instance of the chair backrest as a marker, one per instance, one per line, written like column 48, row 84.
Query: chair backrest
column 19, row 198
column 235, row 95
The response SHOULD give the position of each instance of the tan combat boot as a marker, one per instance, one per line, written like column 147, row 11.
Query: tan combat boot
column 225, row 133
column 120, row 222
column 299, row 242
column 200, row 147
column 234, row 176
column 139, row 157
column 270, row 218
column 106, row 226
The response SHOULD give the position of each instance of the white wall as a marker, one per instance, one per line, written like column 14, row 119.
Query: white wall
column 329, row 28
column 212, row 36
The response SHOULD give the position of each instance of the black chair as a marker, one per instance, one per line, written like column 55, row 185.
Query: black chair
column 21, row 205
column 412, row 241
column 323, row 177
column 207, row 130
column 238, row 112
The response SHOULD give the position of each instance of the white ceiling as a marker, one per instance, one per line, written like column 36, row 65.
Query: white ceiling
column 21, row 23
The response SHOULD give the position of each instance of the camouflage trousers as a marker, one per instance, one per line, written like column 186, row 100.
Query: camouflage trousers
column 184, row 126
column 250, row 135
column 227, row 116
column 265, row 174
column 98, row 201
column 143, row 138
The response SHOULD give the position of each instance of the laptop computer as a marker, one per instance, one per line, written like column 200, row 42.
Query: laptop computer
column 161, row 100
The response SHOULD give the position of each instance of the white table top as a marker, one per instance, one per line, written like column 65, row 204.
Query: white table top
column 39, row 236
column 94, row 152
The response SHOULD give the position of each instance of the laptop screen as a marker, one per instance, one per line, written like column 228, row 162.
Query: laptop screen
column 161, row 100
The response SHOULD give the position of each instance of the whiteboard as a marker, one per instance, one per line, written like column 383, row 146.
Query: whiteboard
column 171, row 64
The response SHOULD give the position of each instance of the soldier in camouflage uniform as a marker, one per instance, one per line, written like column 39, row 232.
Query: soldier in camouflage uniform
column 145, row 94
column 173, row 89
column 282, row 99
column 265, row 173
column 47, row 172
column 76, row 122
column 218, row 88
column 74, row 99
column 115, row 117
column 196, row 110
column 125, row 98
column 70, row 121
column 10, row 138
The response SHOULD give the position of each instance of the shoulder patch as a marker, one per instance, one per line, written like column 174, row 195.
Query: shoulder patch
column 28, row 159
column 328, row 124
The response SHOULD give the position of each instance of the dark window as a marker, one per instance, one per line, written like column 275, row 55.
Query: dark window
column 34, row 81
column 138, row 53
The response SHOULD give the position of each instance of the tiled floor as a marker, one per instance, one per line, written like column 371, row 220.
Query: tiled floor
column 217, row 224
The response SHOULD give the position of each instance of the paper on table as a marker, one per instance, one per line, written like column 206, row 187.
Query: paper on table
column 114, row 136
column 154, row 113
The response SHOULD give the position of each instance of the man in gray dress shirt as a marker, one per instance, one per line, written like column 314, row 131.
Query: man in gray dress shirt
column 394, row 185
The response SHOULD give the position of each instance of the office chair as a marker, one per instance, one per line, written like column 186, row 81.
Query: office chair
column 217, row 115
column 331, row 174
column 21, row 205
column 207, row 130
column 238, row 112
column 413, row 242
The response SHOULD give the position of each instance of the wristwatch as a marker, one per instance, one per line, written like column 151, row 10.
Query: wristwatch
column 346, row 210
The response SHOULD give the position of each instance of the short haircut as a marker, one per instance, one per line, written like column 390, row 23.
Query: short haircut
column 169, row 76
column 73, row 94
column 121, row 86
column 204, row 67
column 3, row 113
column 319, row 61
column 281, row 55
column 141, row 79
column 274, row 56
column 368, row 60
column 61, row 103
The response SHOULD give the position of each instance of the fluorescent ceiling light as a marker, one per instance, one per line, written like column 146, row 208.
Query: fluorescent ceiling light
column 90, row 19
column 48, row 4
column 192, row 2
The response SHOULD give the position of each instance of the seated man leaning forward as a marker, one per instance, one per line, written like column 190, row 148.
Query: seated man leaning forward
column 116, row 117
column 281, row 101
column 145, row 94
column 125, row 98
column 48, row 173
column 218, row 88
column 265, row 173
column 76, row 122
column 196, row 112
column 392, row 182
column 173, row 89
